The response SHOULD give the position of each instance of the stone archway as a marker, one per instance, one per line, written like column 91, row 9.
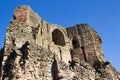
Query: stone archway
column 58, row 37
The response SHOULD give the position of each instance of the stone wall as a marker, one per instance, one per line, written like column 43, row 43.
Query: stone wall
column 29, row 27
column 86, row 43
column 37, row 50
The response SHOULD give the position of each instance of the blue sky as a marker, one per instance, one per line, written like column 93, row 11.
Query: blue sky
column 102, row 15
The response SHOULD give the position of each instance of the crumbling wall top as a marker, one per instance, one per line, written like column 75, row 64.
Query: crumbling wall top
column 25, row 15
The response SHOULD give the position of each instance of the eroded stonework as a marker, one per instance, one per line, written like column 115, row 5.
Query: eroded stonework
column 37, row 50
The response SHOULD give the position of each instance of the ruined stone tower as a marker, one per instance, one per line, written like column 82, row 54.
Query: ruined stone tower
column 37, row 50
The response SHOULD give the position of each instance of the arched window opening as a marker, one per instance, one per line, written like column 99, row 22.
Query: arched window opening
column 75, row 43
column 58, row 37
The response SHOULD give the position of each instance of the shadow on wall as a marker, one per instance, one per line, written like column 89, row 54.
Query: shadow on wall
column 9, row 66
column 24, row 51
column 54, row 70
column 1, row 59
column 9, row 69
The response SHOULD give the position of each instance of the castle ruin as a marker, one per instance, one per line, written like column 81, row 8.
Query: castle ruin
column 38, row 50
